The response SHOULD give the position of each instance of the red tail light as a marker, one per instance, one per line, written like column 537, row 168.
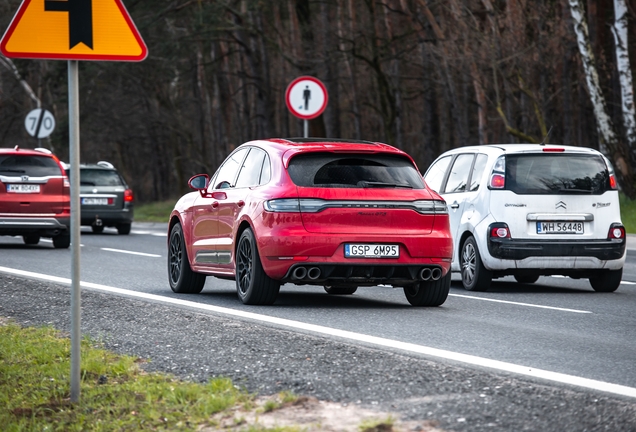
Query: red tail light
column 497, row 181
column 612, row 179
column 616, row 231
column 128, row 195
column 499, row 231
column 554, row 149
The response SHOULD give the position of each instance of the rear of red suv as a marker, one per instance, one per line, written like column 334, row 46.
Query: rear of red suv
column 34, row 196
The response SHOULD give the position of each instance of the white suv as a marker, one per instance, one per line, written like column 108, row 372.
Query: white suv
column 529, row 210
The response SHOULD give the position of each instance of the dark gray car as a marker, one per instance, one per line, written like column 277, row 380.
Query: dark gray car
column 105, row 197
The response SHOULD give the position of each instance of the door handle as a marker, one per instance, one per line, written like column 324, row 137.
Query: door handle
column 454, row 205
column 215, row 204
column 241, row 203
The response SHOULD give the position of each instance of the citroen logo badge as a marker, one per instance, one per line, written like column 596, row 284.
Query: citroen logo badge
column 562, row 205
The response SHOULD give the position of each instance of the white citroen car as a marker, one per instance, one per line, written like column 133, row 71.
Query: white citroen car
column 529, row 210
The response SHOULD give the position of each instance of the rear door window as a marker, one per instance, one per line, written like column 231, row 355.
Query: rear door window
column 478, row 171
column 436, row 173
column 328, row 170
column 97, row 177
column 547, row 174
column 458, row 177
column 32, row 166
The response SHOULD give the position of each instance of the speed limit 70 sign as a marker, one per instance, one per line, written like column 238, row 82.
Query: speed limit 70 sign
column 39, row 123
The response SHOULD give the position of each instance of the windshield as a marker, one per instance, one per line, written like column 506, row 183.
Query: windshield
column 330, row 170
column 32, row 166
column 556, row 174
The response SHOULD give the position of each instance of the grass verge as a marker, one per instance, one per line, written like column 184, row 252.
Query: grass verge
column 154, row 212
column 116, row 395
column 628, row 214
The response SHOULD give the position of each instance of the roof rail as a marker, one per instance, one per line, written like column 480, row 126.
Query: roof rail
column 105, row 164
column 43, row 150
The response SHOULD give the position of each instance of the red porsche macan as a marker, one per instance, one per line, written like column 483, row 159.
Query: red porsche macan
column 332, row 213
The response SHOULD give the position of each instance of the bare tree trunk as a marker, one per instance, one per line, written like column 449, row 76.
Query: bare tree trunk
column 607, row 134
column 480, row 96
column 394, row 79
column 348, row 67
column 624, row 71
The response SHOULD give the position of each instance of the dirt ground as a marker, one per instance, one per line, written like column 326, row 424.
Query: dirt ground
column 312, row 415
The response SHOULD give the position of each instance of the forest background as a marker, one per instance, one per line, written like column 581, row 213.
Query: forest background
column 423, row 75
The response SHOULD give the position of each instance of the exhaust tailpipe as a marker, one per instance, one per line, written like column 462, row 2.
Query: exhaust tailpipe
column 299, row 273
column 98, row 222
column 436, row 273
column 313, row 273
column 425, row 274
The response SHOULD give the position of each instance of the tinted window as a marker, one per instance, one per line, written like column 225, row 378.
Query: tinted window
column 556, row 174
column 435, row 174
column 353, row 171
column 227, row 172
column 251, row 170
column 97, row 177
column 478, row 171
column 458, row 177
column 32, row 166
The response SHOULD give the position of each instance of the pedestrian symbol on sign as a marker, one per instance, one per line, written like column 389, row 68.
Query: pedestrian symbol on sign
column 307, row 96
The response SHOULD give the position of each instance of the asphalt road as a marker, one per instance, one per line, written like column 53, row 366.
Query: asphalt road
column 555, row 325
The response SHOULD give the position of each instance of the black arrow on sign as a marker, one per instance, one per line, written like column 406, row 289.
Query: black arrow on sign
column 80, row 19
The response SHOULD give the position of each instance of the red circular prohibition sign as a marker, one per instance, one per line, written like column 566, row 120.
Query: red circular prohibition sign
column 292, row 90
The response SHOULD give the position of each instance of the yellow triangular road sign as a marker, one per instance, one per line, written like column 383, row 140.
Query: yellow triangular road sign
column 73, row 30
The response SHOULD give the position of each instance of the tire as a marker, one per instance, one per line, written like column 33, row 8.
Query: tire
column 97, row 229
column 341, row 290
column 31, row 239
column 475, row 277
column 253, row 286
column 607, row 280
column 526, row 279
column 181, row 277
column 123, row 229
column 429, row 293
column 62, row 241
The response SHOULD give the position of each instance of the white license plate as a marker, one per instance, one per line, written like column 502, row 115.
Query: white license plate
column 23, row 188
column 560, row 227
column 94, row 201
column 371, row 251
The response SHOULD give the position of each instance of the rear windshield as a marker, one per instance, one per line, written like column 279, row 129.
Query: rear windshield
column 556, row 174
column 97, row 177
column 330, row 170
column 32, row 166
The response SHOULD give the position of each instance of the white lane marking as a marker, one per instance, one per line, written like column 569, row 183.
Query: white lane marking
column 373, row 340
column 628, row 283
column 152, row 233
column 521, row 304
column 46, row 240
column 131, row 252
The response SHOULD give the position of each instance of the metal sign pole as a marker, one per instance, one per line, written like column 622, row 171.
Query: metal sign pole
column 74, row 156
column 306, row 128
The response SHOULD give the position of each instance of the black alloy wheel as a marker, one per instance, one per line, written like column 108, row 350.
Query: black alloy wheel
column 62, row 241
column 607, row 280
column 340, row 290
column 182, row 279
column 253, row 286
column 31, row 239
column 526, row 279
column 475, row 277
column 429, row 293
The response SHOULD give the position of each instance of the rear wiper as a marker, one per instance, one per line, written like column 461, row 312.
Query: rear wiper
column 368, row 184
column 566, row 190
column 12, row 170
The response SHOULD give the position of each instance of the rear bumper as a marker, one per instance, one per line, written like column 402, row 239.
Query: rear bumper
column 109, row 217
column 44, row 226
column 515, row 249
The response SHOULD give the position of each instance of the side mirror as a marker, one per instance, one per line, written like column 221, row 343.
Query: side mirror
column 199, row 182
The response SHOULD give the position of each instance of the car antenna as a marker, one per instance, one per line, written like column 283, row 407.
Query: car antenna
column 546, row 136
